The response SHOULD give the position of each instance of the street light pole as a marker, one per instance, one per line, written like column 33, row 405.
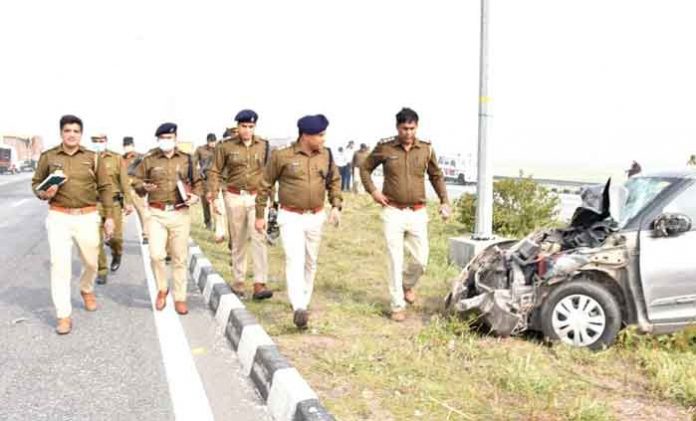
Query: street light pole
column 484, row 203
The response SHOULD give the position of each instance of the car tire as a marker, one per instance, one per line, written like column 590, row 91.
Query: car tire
column 581, row 313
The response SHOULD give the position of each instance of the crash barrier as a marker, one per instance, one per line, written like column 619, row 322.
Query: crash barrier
column 286, row 393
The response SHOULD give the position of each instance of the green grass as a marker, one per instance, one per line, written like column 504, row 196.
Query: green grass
column 433, row 367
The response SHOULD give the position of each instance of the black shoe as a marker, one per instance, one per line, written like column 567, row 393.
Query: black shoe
column 168, row 259
column 101, row 279
column 300, row 318
column 115, row 263
column 145, row 242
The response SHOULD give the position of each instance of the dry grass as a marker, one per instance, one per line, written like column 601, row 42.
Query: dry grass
column 365, row 367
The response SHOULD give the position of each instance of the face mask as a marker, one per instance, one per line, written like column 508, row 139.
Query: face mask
column 128, row 149
column 99, row 147
column 166, row 145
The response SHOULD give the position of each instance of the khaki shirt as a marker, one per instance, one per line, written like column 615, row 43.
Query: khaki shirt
column 302, row 180
column 118, row 174
column 359, row 157
column 203, row 158
column 87, row 178
column 128, row 159
column 157, row 169
column 237, row 165
column 404, row 172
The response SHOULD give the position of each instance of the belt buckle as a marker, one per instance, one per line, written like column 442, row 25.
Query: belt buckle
column 169, row 208
column 244, row 192
column 75, row 211
column 308, row 212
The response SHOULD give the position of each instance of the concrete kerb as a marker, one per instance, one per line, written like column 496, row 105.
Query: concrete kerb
column 287, row 394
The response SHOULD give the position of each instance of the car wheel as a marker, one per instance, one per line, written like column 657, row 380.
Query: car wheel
column 581, row 314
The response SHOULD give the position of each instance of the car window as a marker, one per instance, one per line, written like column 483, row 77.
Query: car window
column 641, row 191
column 684, row 203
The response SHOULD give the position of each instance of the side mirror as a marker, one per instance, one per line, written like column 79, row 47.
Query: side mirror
column 671, row 224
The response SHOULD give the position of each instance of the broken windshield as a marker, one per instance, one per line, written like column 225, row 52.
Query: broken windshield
column 641, row 192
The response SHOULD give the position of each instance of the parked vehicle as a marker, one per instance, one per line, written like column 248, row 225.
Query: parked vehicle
column 8, row 160
column 457, row 169
column 625, row 259
column 26, row 166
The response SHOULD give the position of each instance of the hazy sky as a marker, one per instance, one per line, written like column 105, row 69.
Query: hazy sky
column 574, row 84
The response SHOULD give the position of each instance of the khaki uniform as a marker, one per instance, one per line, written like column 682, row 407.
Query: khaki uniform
column 73, row 218
column 406, row 218
column 138, row 202
column 304, row 181
column 170, row 221
column 202, row 159
column 243, row 167
column 120, row 186
column 358, row 159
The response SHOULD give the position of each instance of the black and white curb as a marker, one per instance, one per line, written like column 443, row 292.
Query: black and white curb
column 287, row 394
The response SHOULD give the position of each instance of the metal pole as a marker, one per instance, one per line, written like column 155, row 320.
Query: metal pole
column 484, row 208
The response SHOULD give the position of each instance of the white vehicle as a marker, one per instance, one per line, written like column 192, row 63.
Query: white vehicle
column 457, row 168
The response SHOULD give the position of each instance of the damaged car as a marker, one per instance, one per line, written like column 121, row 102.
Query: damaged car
column 626, row 258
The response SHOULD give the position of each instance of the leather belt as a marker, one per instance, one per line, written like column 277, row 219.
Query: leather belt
column 242, row 192
column 301, row 211
column 167, row 207
column 417, row 206
column 73, row 211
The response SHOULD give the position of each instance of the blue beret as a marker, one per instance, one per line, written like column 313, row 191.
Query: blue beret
column 246, row 116
column 312, row 124
column 166, row 128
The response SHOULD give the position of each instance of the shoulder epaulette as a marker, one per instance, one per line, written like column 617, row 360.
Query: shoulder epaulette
column 427, row 142
column 386, row 140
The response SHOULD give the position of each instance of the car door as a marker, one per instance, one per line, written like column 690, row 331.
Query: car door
column 668, row 266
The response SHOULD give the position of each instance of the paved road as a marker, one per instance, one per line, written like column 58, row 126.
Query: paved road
column 124, row 361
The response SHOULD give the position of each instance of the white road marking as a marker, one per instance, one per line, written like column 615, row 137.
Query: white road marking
column 185, row 386
column 15, row 204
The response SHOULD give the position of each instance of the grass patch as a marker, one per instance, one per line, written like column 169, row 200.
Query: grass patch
column 433, row 367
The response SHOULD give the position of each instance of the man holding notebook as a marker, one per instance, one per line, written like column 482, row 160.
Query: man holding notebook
column 72, row 216
column 172, row 184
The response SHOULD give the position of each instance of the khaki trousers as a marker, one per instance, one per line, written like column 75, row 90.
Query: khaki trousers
column 241, row 215
column 405, row 228
column 142, row 210
column 357, row 182
column 169, row 228
column 64, row 230
column 219, row 219
column 301, row 237
column 116, row 242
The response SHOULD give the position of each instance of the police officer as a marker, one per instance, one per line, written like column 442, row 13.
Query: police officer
column 131, row 159
column 202, row 159
column 358, row 159
column 161, row 175
column 72, row 216
column 405, row 160
column 243, row 159
column 305, row 172
column 120, row 186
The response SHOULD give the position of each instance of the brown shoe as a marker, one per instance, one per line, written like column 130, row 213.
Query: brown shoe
column 161, row 300
column 64, row 326
column 398, row 315
column 301, row 318
column 90, row 300
column 409, row 295
column 261, row 292
column 181, row 307
column 238, row 288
